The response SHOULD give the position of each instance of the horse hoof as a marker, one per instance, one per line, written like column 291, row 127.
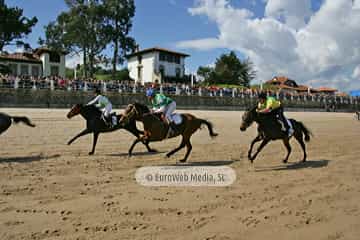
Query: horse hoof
column 68, row 143
column 91, row 153
column 285, row 161
column 182, row 160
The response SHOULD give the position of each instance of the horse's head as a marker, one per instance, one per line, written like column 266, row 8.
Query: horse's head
column 75, row 110
column 248, row 118
column 131, row 112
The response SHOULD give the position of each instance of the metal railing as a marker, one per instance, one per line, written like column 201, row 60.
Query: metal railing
column 169, row 89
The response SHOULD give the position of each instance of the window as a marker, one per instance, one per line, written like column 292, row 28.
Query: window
column 177, row 59
column 54, row 57
column 35, row 71
column 54, row 70
column 169, row 58
column 24, row 69
column 162, row 56
column 140, row 73
column 177, row 72
column 162, row 70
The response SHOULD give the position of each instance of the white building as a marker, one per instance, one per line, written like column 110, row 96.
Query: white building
column 155, row 65
column 42, row 62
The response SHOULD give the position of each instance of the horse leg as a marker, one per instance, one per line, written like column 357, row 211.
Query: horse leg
column 188, row 150
column 300, row 139
column 257, row 139
column 96, row 135
column 288, row 147
column 84, row 132
column 133, row 145
column 136, row 132
column 262, row 145
column 182, row 145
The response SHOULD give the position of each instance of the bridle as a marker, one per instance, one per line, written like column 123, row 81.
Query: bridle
column 129, row 114
column 75, row 110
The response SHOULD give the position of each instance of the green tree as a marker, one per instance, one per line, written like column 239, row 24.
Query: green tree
column 13, row 25
column 229, row 69
column 81, row 28
column 118, row 15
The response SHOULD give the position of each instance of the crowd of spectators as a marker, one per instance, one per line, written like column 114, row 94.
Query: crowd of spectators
column 57, row 83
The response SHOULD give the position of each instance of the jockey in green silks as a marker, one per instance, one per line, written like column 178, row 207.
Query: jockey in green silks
column 163, row 104
column 104, row 105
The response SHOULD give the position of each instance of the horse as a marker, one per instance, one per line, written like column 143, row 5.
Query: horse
column 270, row 129
column 6, row 120
column 96, row 125
column 156, row 129
column 357, row 113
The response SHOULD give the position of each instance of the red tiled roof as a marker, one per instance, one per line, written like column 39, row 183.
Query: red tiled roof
column 23, row 57
column 326, row 89
column 342, row 94
column 40, row 50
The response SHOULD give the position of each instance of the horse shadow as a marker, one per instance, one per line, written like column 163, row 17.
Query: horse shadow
column 27, row 159
column 204, row 164
column 295, row 166
column 134, row 154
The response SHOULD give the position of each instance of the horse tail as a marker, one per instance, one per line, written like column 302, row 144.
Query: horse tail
column 306, row 131
column 209, row 126
column 23, row 120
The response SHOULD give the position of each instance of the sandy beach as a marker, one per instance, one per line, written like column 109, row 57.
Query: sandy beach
column 49, row 190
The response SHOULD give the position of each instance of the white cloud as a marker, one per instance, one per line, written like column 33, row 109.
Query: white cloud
column 74, row 59
column 293, row 13
column 317, row 48
column 202, row 44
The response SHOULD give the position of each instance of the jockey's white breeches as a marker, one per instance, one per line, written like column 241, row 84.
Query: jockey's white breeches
column 107, row 110
column 168, row 110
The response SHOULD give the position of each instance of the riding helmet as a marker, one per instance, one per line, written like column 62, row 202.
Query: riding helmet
column 262, row 95
column 97, row 91
column 150, row 92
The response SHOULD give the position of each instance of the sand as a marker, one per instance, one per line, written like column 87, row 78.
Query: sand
column 49, row 190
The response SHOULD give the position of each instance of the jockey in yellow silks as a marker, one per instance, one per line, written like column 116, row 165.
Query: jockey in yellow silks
column 272, row 105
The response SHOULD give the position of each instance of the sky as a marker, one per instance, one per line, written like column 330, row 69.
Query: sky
column 315, row 42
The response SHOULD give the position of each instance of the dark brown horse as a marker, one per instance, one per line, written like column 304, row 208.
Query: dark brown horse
column 6, row 120
column 96, row 125
column 357, row 113
column 157, row 130
column 269, row 129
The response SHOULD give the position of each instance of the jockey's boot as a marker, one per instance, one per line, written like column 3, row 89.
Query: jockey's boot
column 107, row 120
column 174, row 127
column 289, row 129
column 172, row 131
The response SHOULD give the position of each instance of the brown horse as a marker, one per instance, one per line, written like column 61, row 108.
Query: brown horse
column 157, row 130
column 6, row 120
column 357, row 113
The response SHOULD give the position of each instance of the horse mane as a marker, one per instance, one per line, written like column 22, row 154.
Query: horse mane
column 91, row 108
column 141, row 107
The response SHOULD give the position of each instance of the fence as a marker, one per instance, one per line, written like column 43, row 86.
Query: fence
column 114, row 88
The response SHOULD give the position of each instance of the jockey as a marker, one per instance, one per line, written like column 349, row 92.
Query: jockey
column 271, row 105
column 162, row 104
column 104, row 105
